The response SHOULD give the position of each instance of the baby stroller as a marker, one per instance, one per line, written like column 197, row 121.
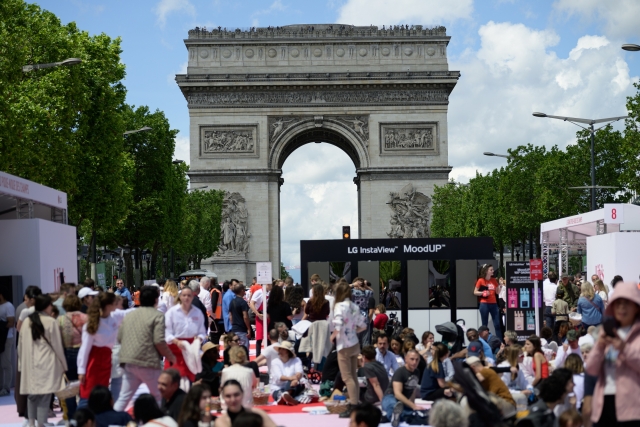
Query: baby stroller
column 453, row 335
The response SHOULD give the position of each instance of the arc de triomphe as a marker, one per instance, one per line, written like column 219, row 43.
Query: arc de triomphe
column 379, row 94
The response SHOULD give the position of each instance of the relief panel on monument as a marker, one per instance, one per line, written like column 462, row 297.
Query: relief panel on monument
column 409, row 214
column 219, row 141
column 234, row 228
column 408, row 139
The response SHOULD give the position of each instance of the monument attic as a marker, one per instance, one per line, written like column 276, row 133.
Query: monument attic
column 379, row 94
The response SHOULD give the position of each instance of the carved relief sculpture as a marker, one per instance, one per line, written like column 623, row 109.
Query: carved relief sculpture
column 410, row 214
column 408, row 138
column 234, row 230
column 216, row 140
column 358, row 124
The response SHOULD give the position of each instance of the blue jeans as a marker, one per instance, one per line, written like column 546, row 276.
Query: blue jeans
column 293, row 391
column 485, row 310
column 388, row 402
column 115, row 387
column 71, row 354
column 548, row 317
column 244, row 340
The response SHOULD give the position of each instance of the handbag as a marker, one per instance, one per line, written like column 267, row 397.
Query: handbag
column 70, row 389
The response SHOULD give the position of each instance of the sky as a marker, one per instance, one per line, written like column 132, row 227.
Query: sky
column 560, row 57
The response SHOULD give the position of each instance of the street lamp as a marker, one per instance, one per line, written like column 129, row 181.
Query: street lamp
column 69, row 61
column 631, row 47
column 589, row 122
column 177, row 162
column 142, row 129
column 487, row 153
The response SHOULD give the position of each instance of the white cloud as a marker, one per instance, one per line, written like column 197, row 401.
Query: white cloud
column 166, row 7
column 181, row 151
column 318, row 197
column 428, row 12
column 171, row 78
column 619, row 18
column 276, row 6
column 516, row 72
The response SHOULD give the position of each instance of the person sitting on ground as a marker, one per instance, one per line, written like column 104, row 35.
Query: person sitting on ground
column 510, row 338
column 570, row 418
column 570, row 347
column 575, row 364
column 445, row 413
column 384, row 356
column 230, row 340
column 232, row 393
column 237, row 371
column 101, row 404
column 492, row 383
column 395, row 346
column 83, row 418
column 399, row 400
column 270, row 353
column 514, row 379
column 424, row 348
column 196, row 409
column 552, row 393
column 380, row 320
column 147, row 413
column 433, row 386
column 286, row 375
column 376, row 375
column 211, row 368
column 365, row 415
column 172, row 394
column 560, row 335
column 540, row 365
column 422, row 363
column 492, row 341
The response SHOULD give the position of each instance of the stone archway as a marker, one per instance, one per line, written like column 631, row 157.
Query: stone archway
column 254, row 97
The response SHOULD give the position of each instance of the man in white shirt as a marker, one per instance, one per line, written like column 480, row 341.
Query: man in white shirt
column 567, row 349
column 7, row 314
column 271, row 352
column 549, row 288
column 255, row 305
column 204, row 295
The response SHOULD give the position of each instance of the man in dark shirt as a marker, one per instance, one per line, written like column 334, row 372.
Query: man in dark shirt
column 376, row 375
column 172, row 394
column 239, row 314
column 399, row 400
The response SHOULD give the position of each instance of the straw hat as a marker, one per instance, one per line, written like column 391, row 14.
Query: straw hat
column 288, row 346
column 208, row 346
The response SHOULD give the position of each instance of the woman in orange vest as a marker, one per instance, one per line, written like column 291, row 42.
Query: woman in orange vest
column 136, row 298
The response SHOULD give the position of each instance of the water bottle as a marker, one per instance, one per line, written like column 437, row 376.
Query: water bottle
column 339, row 397
column 532, row 395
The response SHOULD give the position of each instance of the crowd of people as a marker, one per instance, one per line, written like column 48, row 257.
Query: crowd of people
column 153, row 356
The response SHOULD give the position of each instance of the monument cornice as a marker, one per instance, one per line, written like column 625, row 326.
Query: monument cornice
column 403, row 173
column 235, row 175
column 308, row 32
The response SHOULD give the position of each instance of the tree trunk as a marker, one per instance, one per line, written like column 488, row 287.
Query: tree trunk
column 154, row 257
column 128, row 263
column 503, row 272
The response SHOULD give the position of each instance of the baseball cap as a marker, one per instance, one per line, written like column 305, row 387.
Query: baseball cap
column 473, row 359
column 572, row 335
column 565, row 276
column 86, row 292
column 474, row 348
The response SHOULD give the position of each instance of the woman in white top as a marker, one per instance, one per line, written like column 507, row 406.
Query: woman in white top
column 169, row 296
column 514, row 379
column 347, row 322
column 286, row 375
column 240, row 373
column 183, row 323
column 601, row 291
column 99, row 335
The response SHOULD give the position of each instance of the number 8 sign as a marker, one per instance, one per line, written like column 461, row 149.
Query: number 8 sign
column 613, row 213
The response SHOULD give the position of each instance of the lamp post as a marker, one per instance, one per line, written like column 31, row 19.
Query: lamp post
column 591, row 129
column 490, row 154
column 142, row 129
column 68, row 61
column 631, row 47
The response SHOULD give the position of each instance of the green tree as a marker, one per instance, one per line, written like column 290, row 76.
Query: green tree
column 283, row 271
column 201, row 225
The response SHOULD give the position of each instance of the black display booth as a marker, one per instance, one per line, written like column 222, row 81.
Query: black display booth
column 433, row 272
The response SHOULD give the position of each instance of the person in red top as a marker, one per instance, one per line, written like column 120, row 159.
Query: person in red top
column 381, row 319
column 486, row 288
column 254, row 287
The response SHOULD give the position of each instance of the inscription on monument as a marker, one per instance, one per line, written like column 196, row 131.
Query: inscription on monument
column 217, row 141
column 370, row 97
column 408, row 138
column 410, row 214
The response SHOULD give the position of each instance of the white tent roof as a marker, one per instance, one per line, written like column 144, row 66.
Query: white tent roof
column 579, row 227
column 13, row 187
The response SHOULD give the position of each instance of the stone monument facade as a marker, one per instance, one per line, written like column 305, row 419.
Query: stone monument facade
column 255, row 96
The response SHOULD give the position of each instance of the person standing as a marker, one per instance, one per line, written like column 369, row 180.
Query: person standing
column 86, row 296
column 204, row 295
column 602, row 291
column 122, row 291
column 217, row 323
column 348, row 321
column 8, row 319
column 169, row 296
column 549, row 288
column 571, row 291
column 183, row 323
column 41, row 360
column 485, row 289
column 142, row 346
column 66, row 289
column 98, row 338
column 278, row 309
column 239, row 316
column 318, row 306
column 590, row 306
column 362, row 296
column 227, row 297
column 257, row 305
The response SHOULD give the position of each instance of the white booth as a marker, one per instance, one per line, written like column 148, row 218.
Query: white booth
column 37, row 247
column 609, row 235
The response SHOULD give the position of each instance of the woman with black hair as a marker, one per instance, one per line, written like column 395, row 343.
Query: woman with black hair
column 147, row 412
column 232, row 394
column 41, row 360
column 22, row 311
column 101, row 404
column 278, row 309
column 196, row 408
column 294, row 296
column 30, row 295
column 83, row 418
